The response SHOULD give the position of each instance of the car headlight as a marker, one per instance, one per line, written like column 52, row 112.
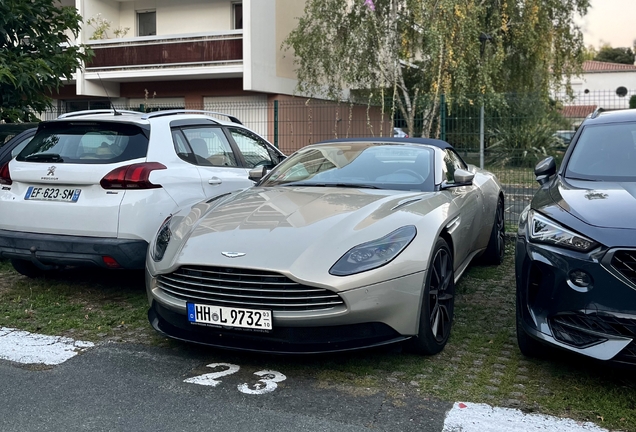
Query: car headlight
column 162, row 240
column 375, row 253
column 544, row 230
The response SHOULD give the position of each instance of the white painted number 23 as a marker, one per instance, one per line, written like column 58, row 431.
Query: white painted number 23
column 267, row 383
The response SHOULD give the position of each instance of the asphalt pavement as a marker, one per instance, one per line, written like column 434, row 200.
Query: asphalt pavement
column 123, row 387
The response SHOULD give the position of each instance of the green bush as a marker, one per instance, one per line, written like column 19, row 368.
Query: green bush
column 523, row 132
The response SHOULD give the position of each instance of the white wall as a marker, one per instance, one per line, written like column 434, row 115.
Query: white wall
column 261, row 46
column 601, row 89
column 107, row 8
column 179, row 17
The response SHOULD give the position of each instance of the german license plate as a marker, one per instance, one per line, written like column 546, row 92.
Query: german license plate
column 52, row 194
column 230, row 317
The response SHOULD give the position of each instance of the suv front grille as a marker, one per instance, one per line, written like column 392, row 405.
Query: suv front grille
column 624, row 261
column 574, row 328
column 567, row 332
column 245, row 288
column 628, row 355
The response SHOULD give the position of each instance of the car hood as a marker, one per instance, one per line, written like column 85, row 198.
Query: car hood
column 294, row 227
column 602, row 204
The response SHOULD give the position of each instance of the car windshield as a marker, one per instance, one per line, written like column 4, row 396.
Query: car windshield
column 360, row 165
column 86, row 143
column 604, row 153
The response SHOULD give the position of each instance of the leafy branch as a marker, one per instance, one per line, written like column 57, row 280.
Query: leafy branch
column 101, row 27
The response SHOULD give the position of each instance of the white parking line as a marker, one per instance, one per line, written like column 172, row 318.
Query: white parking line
column 29, row 348
column 471, row 417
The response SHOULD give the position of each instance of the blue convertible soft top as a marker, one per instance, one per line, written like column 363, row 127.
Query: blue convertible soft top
column 391, row 140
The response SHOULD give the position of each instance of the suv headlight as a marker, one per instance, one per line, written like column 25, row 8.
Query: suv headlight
column 375, row 253
column 544, row 230
column 161, row 241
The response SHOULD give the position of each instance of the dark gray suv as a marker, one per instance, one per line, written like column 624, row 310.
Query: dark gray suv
column 576, row 246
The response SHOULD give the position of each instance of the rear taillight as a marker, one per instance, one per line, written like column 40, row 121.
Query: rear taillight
column 135, row 176
column 5, row 177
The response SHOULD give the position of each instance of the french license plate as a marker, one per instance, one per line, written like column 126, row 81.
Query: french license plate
column 230, row 317
column 52, row 194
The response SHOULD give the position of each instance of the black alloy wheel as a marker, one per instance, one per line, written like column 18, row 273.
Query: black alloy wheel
column 438, row 302
column 496, row 248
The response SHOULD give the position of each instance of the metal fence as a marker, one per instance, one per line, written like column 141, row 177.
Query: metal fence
column 506, row 133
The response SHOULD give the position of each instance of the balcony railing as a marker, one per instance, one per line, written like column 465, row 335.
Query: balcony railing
column 167, row 51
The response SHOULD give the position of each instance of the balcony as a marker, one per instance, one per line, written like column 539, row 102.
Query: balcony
column 201, row 55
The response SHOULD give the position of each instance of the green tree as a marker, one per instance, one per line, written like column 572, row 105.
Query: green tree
column 615, row 55
column 415, row 50
column 37, row 53
column 589, row 52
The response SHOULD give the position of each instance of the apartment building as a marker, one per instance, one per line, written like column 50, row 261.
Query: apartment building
column 184, row 52
column 221, row 55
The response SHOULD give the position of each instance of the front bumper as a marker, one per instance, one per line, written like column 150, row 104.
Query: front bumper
column 371, row 316
column 52, row 249
column 598, row 321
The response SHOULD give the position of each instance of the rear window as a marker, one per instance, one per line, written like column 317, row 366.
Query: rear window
column 86, row 143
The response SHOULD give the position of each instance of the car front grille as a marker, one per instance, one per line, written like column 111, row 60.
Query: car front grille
column 574, row 329
column 246, row 288
column 624, row 261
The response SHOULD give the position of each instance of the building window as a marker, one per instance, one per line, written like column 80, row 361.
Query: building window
column 84, row 104
column 146, row 23
column 237, row 15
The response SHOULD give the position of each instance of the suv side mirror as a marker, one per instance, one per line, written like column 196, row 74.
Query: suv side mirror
column 256, row 174
column 545, row 169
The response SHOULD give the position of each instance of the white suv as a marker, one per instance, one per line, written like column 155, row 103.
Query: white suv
column 93, row 187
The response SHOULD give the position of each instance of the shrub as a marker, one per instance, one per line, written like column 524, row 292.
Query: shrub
column 523, row 132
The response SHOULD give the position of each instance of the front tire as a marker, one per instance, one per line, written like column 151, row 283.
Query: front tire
column 438, row 302
column 495, row 250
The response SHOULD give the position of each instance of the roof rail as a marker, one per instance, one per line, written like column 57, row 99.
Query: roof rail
column 99, row 111
column 184, row 111
column 597, row 112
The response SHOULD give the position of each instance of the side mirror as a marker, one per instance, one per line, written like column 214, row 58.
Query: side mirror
column 256, row 174
column 545, row 169
column 463, row 177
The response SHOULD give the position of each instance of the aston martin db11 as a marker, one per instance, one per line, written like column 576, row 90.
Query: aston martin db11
column 345, row 244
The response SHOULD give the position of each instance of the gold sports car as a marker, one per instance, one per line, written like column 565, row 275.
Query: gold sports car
column 345, row 244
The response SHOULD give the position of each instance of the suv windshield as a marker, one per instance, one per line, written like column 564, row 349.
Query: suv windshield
column 358, row 165
column 86, row 143
column 604, row 152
